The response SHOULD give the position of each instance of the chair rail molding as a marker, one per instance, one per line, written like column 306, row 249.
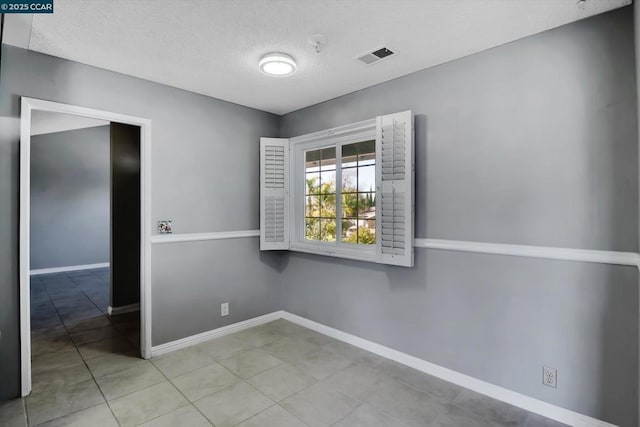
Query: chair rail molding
column 546, row 252
column 195, row 237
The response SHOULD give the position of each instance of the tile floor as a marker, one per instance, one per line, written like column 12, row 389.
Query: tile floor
column 86, row 373
column 68, row 297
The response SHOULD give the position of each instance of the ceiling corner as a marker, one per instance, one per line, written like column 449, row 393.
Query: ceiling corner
column 17, row 30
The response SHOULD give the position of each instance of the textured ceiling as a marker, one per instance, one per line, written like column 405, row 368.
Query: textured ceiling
column 213, row 46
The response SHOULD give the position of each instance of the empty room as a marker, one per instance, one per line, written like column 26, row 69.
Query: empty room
column 290, row 213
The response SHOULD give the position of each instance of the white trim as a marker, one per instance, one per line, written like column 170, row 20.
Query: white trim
column 336, row 137
column 566, row 254
column 68, row 268
column 340, row 131
column 114, row 311
column 27, row 106
column 500, row 393
column 546, row 252
column 194, row 237
column 25, row 251
column 215, row 333
column 636, row 27
column 277, row 216
column 367, row 254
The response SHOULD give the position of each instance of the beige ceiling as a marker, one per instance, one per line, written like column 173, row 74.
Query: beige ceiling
column 212, row 47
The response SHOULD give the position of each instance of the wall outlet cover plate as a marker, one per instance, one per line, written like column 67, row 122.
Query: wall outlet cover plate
column 549, row 377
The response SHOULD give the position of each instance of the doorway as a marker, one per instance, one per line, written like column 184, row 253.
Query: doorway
column 83, row 301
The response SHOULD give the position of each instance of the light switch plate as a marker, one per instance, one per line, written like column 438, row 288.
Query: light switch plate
column 165, row 227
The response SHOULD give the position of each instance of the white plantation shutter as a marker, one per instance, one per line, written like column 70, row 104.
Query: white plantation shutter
column 274, row 193
column 395, row 187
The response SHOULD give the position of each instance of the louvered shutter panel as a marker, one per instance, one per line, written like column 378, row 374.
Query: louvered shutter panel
column 395, row 186
column 274, row 193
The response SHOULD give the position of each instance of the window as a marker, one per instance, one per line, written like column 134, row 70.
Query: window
column 345, row 192
column 320, row 195
column 358, row 166
column 354, row 187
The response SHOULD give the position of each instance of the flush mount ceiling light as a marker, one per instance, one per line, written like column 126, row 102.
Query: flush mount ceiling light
column 277, row 64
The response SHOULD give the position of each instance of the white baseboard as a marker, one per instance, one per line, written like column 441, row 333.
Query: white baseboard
column 500, row 393
column 68, row 268
column 215, row 333
column 114, row 311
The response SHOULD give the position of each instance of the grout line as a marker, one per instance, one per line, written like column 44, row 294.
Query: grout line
column 70, row 413
column 46, row 291
column 84, row 293
column 91, row 372
column 216, row 361
column 180, row 391
column 350, row 412
column 265, row 409
column 79, row 354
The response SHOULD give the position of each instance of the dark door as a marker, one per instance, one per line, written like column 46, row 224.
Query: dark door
column 125, row 215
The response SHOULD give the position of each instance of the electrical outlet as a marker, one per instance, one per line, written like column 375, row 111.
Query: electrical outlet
column 224, row 309
column 549, row 376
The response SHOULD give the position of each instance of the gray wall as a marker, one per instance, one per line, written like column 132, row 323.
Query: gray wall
column 197, row 144
column 70, row 198
column 215, row 271
column 533, row 142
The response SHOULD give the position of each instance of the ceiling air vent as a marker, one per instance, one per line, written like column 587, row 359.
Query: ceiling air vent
column 376, row 55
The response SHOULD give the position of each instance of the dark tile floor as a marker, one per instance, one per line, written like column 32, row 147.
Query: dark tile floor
column 76, row 302
column 64, row 298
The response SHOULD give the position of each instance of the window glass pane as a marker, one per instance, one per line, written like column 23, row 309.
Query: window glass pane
column 328, row 158
column 313, row 183
column 328, row 205
column 366, row 148
column 349, row 205
column 328, row 230
column 367, row 157
column 328, row 154
column 312, row 206
column 358, row 192
column 366, row 205
column 328, row 181
column 312, row 160
column 367, row 232
column 312, row 229
column 367, row 178
column 349, row 155
column 349, row 230
column 349, row 180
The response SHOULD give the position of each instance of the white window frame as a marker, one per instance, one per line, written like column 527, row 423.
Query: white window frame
column 395, row 190
column 336, row 137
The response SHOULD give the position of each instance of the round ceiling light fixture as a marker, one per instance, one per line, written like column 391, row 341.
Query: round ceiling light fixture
column 277, row 64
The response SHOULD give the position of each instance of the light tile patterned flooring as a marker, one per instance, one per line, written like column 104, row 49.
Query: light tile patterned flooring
column 86, row 373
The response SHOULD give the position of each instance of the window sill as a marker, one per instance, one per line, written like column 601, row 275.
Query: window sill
column 367, row 254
